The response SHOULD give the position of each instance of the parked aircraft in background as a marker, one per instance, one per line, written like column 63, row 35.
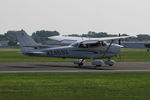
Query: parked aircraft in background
column 81, row 48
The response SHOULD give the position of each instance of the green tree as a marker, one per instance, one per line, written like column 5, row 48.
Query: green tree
column 10, row 35
column 41, row 36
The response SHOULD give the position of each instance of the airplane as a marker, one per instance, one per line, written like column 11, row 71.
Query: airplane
column 81, row 49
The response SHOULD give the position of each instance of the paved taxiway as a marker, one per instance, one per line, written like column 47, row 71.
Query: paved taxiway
column 70, row 67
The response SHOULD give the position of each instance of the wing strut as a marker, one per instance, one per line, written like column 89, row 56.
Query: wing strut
column 108, row 48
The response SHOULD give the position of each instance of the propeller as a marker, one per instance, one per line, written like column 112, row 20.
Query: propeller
column 119, row 42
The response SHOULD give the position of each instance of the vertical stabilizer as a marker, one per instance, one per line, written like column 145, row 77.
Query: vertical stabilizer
column 25, row 41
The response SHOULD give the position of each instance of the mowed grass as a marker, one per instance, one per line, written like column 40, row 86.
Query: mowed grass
column 14, row 55
column 133, row 55
column 75, row 86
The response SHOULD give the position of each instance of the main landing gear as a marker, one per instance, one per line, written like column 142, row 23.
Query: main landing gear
column 100, row 63
column 96, row 63
column 79, row 62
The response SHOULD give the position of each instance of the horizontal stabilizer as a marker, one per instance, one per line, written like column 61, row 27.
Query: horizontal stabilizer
column 38, row 46
column 36, row 53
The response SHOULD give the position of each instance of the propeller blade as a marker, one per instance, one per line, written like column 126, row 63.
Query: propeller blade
column 119, row 41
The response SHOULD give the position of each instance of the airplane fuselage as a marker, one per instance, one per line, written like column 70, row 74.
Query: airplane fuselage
column 79, row 53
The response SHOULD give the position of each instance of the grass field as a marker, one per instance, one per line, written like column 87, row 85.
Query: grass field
column 133, row 55
column 75, row 86
column 14, row 55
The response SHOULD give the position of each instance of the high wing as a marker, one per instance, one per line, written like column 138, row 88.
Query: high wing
column 74, row 39
column 68, row 38
column 111, row 38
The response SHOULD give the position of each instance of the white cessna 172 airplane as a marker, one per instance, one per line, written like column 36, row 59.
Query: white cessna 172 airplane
column 82, row 48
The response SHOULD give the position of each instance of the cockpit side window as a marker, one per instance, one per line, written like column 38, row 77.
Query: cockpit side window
column 83, row 46
column 94, row 45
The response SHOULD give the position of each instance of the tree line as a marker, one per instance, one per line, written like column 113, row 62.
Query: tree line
column 38, row 36
column 42, row 36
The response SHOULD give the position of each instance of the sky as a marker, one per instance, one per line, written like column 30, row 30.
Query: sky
column 76, row 16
